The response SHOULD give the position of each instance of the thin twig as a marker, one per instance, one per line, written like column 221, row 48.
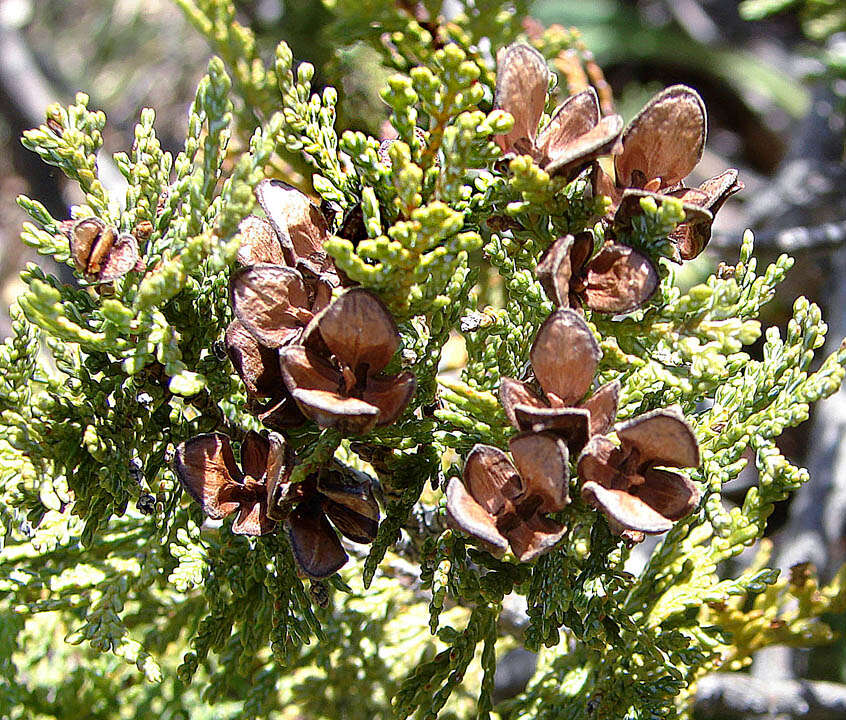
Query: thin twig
column 733, row 696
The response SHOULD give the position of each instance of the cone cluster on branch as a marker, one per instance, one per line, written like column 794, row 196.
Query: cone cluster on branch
column 503, row 504
column 302, row 355
column 652, row 156
column 309, row 347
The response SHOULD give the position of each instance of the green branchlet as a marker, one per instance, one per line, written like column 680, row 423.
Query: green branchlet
column 70, row 140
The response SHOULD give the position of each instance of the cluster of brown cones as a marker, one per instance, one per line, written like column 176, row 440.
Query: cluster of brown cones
column 301, row 354
column 505, row 505
column 304, row 355
column 658, row 149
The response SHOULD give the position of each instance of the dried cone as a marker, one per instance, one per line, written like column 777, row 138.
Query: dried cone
column 628, row 483
column 99, row 253
column 564, row 357
column 618, row 279
column 504, row 505
column 263, row 495
column 663, row 144
column 335, row 375
column 334, row 498
column 660, row 147
column 575, row 135
column 207, row 470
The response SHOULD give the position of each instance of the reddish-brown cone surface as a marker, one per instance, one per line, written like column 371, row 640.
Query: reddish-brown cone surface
column 334, row 498
column 99, row 252
column 564, row 358
column 627, row 482
column 262, row 495
column 574, row 136
column 335, row 375
column 660, row 147
column 206, row 467
column 504, row 505
column 618, row 279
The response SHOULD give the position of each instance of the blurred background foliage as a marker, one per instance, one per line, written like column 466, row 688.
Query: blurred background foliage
column 772, row 73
